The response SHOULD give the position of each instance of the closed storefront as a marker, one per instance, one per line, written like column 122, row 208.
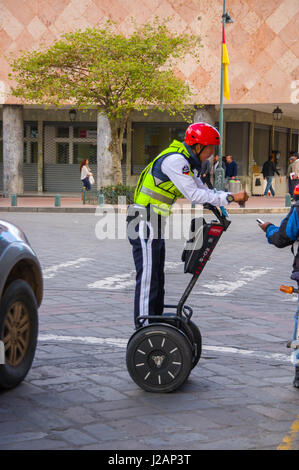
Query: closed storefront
column 261, row 144
column 51, row 159
column 281, row 146
column 236, row 144
column 295, row 140
column 65, row 146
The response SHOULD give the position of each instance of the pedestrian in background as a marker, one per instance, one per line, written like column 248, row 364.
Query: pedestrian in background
column 295, row 168
column 291, row 173
column 269, row 168
column 205, row 173
column 231, row 170
column 85, row 174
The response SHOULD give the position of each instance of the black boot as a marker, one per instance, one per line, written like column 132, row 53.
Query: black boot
column 296, row 379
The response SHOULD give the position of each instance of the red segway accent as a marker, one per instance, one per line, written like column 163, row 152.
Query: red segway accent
column 215, row 230
column 202, row 241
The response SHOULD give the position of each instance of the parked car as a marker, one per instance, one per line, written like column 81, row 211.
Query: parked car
column 21, row 292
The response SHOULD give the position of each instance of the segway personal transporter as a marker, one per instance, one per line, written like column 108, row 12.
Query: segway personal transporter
column 162, row 353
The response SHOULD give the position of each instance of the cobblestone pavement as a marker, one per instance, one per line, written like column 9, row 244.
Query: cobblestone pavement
column 78, row 394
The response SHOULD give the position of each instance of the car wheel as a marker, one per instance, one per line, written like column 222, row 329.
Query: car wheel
column 18, row 332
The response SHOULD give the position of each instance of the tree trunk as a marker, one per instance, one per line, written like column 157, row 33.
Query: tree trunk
column 13, row 142
column 104, row 158
column 116, row 151
column 109, row 151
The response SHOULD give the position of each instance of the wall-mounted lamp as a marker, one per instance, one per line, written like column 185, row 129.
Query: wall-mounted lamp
column 277, row 114
column 73, row 114
column 226, row 18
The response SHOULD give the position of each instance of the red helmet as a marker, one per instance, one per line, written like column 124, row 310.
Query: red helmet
column 202, row 133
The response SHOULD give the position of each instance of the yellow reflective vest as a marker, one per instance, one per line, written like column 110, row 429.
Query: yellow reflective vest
column 160, row 194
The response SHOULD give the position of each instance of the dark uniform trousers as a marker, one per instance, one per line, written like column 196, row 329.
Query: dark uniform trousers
column 145, row 234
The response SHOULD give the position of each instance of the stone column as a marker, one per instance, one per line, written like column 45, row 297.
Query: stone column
column 205, row 114
column 40, row 157
column 104, row 158
column 250, row 156
column 272, row 138
column 13, row 145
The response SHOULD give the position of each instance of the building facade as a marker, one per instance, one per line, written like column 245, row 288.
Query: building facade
column 263, row 47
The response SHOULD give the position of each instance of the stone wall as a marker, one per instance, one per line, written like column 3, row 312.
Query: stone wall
column 263, row 44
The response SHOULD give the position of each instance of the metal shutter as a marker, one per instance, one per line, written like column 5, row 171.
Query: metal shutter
column 64, row 177
column 30, row 177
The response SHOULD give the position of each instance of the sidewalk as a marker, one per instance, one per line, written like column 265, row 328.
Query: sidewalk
column 72, row 203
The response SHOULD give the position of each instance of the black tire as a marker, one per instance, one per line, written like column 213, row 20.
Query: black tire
column 159, row 358
column 197, row 342
column 18, row 331
column 194, row 335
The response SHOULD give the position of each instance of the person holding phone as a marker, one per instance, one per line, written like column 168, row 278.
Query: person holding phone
column 286, row 235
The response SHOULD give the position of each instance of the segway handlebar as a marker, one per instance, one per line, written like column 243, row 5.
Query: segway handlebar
column 221, row 215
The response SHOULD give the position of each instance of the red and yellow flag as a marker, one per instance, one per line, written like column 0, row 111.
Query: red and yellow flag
column 225, row 62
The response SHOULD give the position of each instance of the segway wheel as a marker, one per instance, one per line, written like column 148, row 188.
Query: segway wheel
column 197, row 342
column 159, row 358
column 195, row 336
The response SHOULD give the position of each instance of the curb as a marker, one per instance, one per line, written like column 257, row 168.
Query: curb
column 48, row 209
column 93, row 210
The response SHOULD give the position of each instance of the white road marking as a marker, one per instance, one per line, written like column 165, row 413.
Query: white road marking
column 290, row 298
column 215, row 288
column 122, row 281
column 122, row 343
column 245, row 275
column 51, row 272
column 119, row 342
column 118, row 281
column 246, row 352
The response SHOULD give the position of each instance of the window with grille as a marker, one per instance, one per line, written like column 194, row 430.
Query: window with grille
column 30, row 135
column 150, row 138
column 62, row 152
column 30, row 142
column 70, row 143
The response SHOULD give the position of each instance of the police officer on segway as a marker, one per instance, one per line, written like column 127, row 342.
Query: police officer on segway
column 173, row 174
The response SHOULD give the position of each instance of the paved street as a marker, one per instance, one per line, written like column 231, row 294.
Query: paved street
column 78, row 394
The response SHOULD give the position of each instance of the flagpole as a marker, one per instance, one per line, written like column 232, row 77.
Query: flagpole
column 219, row 173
